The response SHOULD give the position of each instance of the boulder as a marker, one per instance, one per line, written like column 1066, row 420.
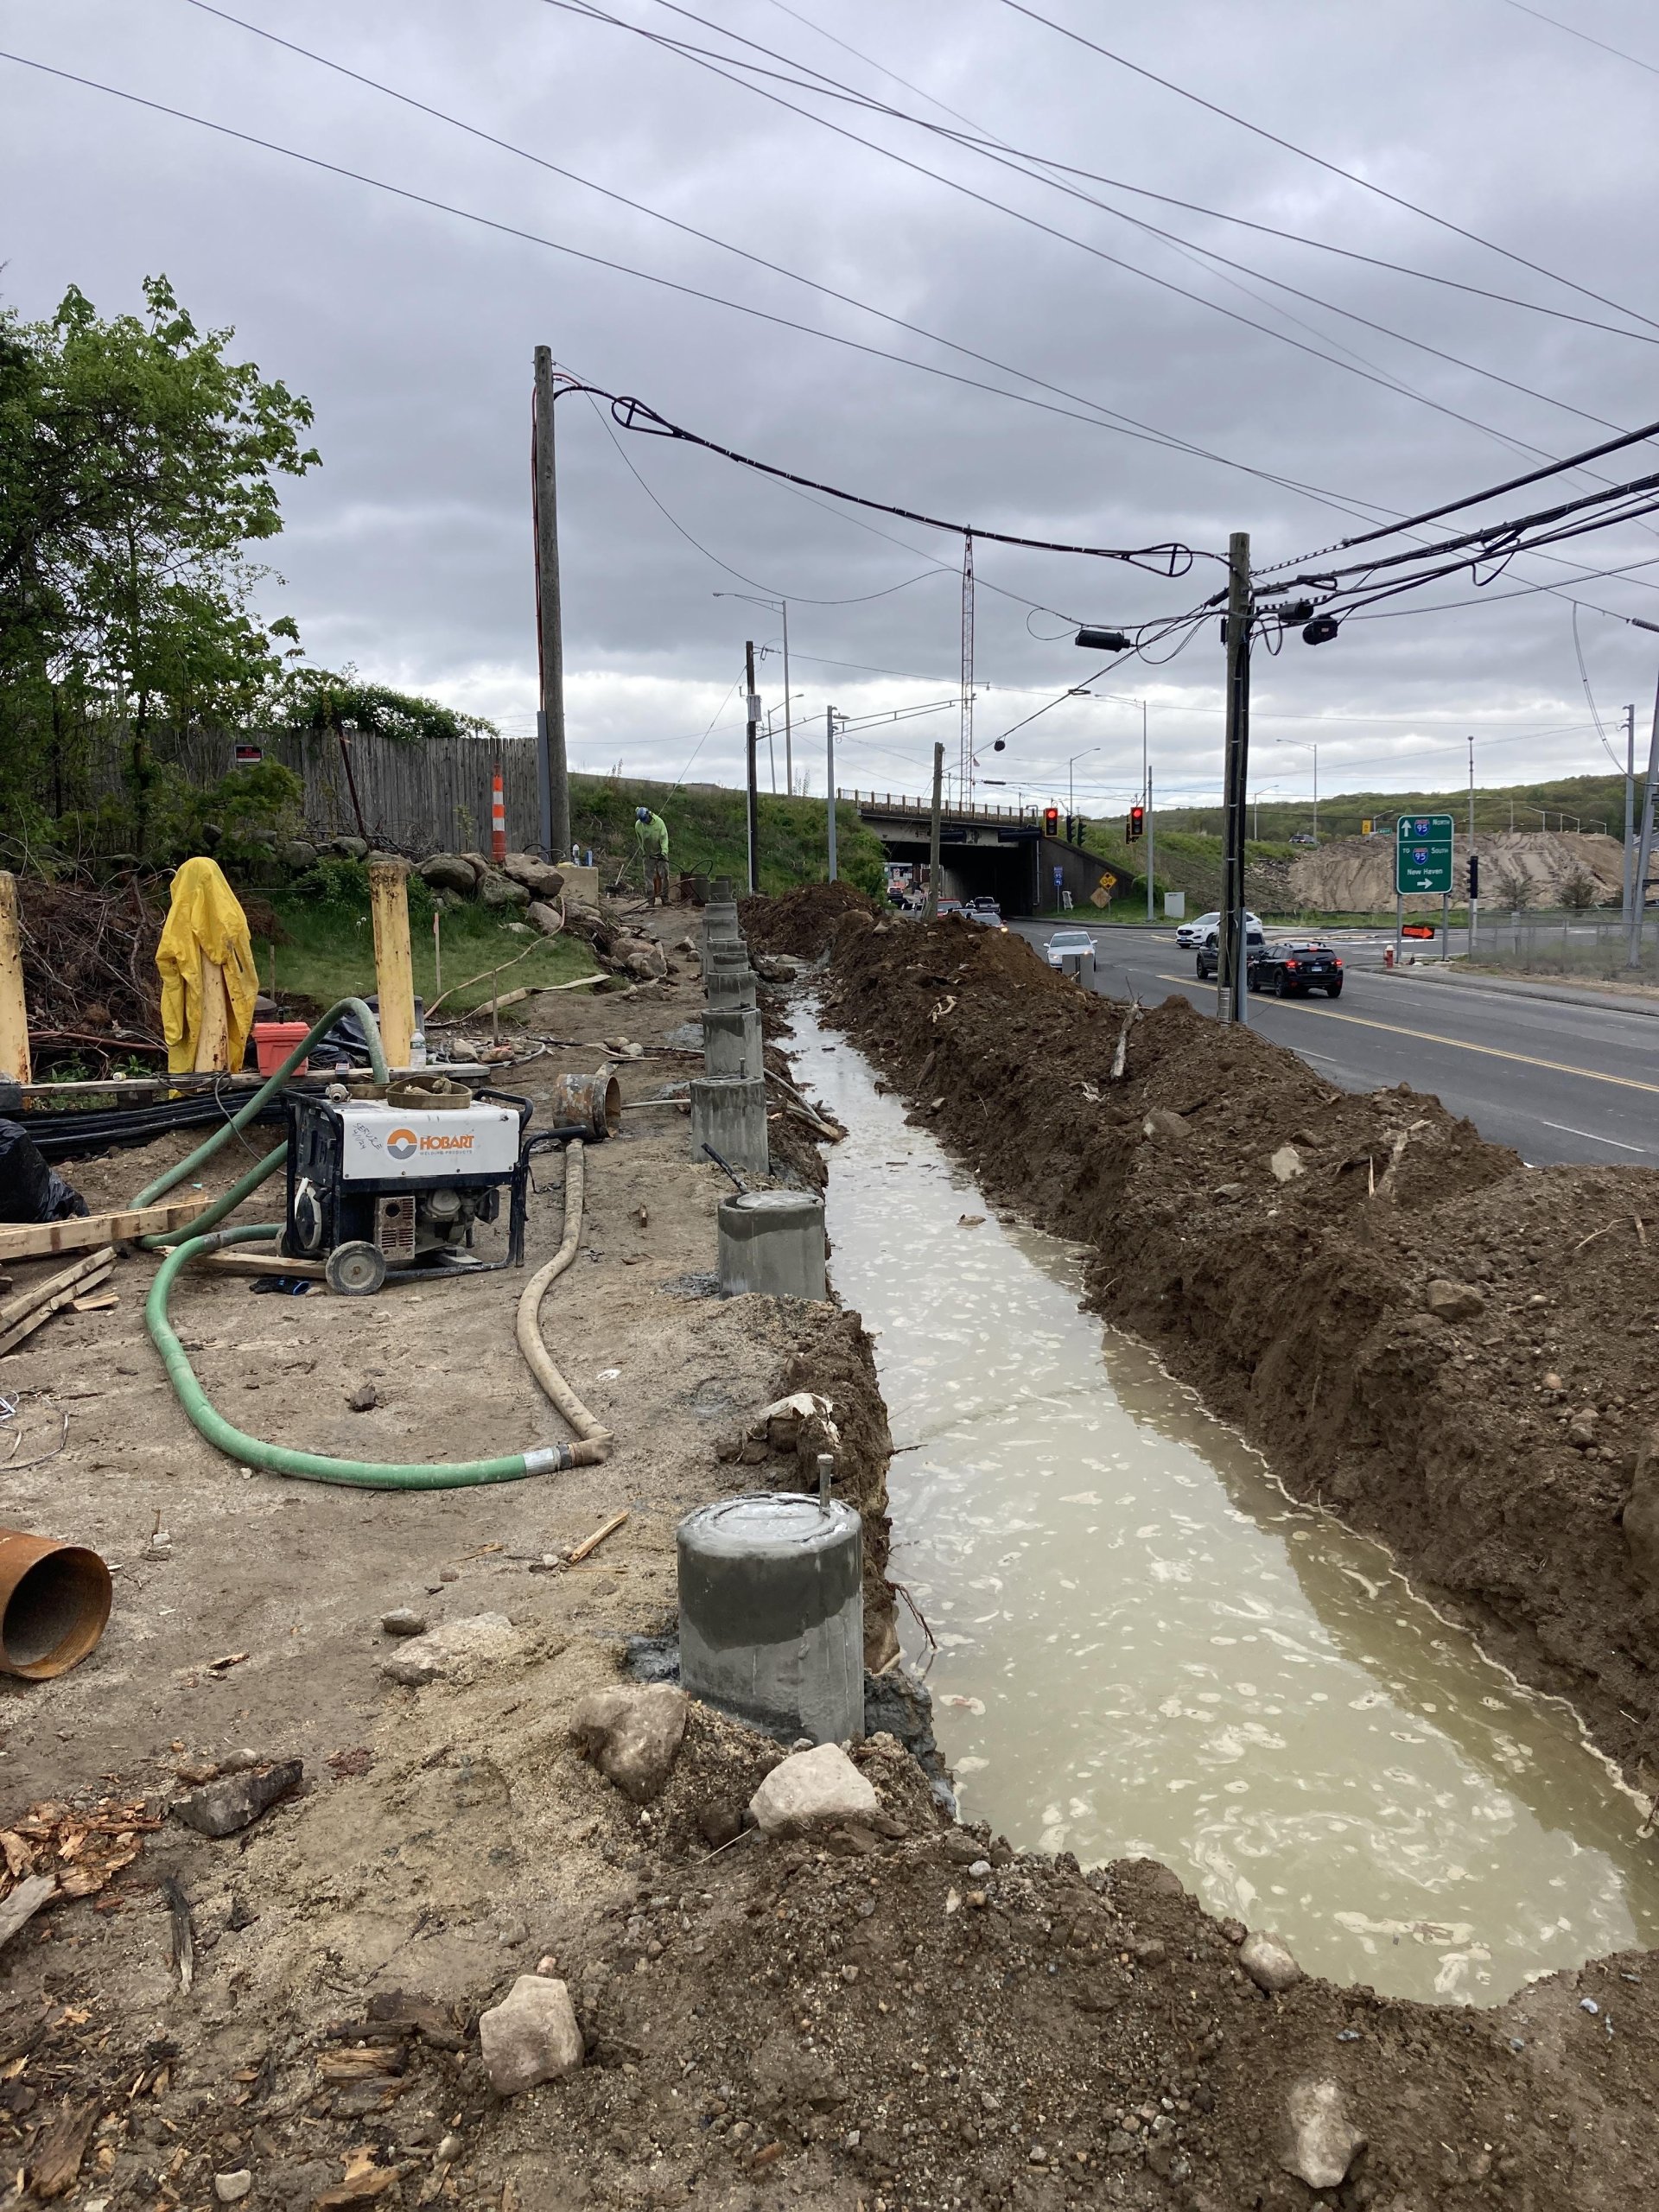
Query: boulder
column 1269, row 1964
column 633, row 1735
column 300, row 854
column 641, row 959
column 540, row 877
column 1642, row 1513
column 497, row 890
column 531, row 2036
column 347, row 849
column 237, row 1800
column 548, row 919
column 1324, row 2144
column 1287, row 1164
column 449, row 872
column 812, row 1790
column 1161, row 1125
column 777, row 967
column 1453, row 1301
column 378, row 859
column 455, row 1650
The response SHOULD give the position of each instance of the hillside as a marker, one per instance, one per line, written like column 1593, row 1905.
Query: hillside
column 1587, row 803
column 1355, row 875
column 708, row 834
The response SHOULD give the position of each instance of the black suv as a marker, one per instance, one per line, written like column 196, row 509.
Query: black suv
column 1295, row 968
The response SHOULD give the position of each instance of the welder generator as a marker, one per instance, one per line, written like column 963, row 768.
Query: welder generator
column 402, row 1182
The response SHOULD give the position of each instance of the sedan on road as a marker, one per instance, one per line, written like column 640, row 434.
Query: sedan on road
column 1191, row 935
column 1291, row 967
column 1076, row 943
column 1210, row 947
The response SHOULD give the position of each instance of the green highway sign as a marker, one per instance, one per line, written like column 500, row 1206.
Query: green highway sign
column 1423, row 853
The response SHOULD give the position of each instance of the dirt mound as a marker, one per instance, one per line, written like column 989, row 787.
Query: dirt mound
column 1490, row 1439
column 803, row 921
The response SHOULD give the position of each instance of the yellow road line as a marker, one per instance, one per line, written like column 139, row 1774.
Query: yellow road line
column 1459, row 1044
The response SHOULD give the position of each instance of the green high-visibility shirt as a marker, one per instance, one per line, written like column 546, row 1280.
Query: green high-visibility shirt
column 652, row 835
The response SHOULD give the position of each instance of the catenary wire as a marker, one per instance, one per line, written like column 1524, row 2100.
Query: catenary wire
column 1573, row 31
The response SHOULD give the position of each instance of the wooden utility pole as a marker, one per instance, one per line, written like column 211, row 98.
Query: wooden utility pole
column 1643, row 850
column 789, row 726
column 933, row 833
column 1232, row 983
column 1630, row 812
column 551, row 774
column 753, row 710
column 13, row 1014
column 394, row 965
column 829, row 786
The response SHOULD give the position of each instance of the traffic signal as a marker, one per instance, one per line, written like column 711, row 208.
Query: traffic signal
column 1474, row 875
column 1050, row 821
column 1082, row 826
column 1137, row 824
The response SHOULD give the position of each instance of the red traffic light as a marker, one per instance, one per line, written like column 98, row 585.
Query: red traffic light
column 1050, row 820
column 1137, row 822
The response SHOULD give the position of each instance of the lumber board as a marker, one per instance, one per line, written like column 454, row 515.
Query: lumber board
column 258, row 1264
column 58, row 1291
column 25, row 1301
column 40, row 1240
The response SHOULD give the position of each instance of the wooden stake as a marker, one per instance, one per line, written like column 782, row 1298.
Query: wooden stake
column 437, row 952
column 592, row 1543
column 394, row 965
column 214, row 1030
column 14, row 1015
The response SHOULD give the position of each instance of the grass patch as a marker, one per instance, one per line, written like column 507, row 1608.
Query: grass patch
column 328, row 950
column 708, row 833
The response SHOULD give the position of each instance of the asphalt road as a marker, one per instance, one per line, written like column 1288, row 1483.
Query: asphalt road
column 1561, row 1082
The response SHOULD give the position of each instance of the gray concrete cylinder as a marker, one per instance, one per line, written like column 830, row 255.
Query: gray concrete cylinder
column 729, row 991
column 726, row 956
column 771, row 1242
column 720, row 922
column 732, row 1043
column 772, row 1614
column 729, row 1113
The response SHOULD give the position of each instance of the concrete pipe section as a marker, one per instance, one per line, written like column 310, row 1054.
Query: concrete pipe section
column 772, row 1242
column 772, row 1614
column 729, row 991
column 727, row 958
column 729, row 1112
column 732, row 1043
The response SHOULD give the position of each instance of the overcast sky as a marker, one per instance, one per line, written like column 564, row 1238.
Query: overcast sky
column 411, row 330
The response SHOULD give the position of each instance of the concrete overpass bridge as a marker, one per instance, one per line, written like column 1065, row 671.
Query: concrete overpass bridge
column 1000, row 850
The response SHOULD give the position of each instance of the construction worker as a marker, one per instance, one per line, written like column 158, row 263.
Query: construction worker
column 651, row 834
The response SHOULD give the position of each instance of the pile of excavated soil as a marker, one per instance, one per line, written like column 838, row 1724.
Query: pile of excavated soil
column 1355, row 875
column 801, row 921
column 1493, row 1444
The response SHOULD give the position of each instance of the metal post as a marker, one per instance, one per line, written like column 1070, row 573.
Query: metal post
column 933, row 835
column 1232, row 1002
column 1151, row 916
column 552, row 776
column 1644, row 849
column 829, row 786
column 1473, row 900
column 752, row 707
column 789, row 740
column 1445, row 925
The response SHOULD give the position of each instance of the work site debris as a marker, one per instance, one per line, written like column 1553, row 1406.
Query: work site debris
column 29, row 1190
column 80, row 1850
column 89, row 963
column 633, row 1735
column 454, row 1651
column 234, row 1802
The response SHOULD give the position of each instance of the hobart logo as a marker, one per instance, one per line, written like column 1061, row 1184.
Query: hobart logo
column 401, row 1144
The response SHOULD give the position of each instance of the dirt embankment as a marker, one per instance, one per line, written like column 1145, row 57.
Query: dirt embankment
column 1489, row 1433
column 1355, row 875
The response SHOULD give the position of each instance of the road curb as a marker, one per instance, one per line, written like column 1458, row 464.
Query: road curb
column 1563, row 995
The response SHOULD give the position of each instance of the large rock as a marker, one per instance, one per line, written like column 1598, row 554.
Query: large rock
column 498, row 890
column 1324, row 2143
column 1163, row 1126
column 348, row 848
column 456, row 1651
column 540, row 877
column 236, row 1801
column 449, row 872
column 1269, row 1964
column 642, row 958
column 819, row 1788
column 1453, row 1301
column 1642, row 1513
column 633, row 1735
column 546, row 919
column 531, row 2036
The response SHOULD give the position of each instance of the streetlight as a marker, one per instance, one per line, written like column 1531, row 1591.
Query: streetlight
column 1256, row 804
column 1307, row 745
column 1071, row 792
column 782, row 606
column 770, row 754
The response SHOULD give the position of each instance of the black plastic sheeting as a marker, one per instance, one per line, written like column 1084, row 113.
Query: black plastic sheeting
column 77, row 1134
column 29, row 1191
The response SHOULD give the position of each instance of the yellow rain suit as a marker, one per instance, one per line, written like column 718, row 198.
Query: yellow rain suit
column 205, row 921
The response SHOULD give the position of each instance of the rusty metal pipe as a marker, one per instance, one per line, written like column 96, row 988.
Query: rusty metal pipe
column 54, row 1604
column 592, row 1103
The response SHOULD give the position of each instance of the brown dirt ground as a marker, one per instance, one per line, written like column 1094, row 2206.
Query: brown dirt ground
column 871, row 2023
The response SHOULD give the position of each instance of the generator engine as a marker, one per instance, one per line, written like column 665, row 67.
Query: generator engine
column 374, row 1184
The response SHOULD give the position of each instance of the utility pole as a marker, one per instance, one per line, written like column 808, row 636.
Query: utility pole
column 1232, row 999
column 753, row 708
column 1630, row 812
column 932, row 907
column 1474, row 872
column 789, row 746
column 1644, row 848
column 829, row 782
column 552, row 776
column 1150, row 914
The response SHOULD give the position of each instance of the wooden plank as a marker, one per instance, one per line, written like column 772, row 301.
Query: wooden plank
column 40, row 1240
column 214, row 1030
column 62, row 1290
column 255, row 1263
column 394, row 966
column 76, row 1276
column 13, row 1014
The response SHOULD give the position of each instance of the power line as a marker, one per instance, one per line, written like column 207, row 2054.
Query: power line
column 1333, row 168
column 1573, row 31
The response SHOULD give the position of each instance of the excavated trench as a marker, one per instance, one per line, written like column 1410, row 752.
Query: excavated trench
column 1138, row 1642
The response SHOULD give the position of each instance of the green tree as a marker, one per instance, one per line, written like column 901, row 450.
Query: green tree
column 330, row 703
column 138, row 463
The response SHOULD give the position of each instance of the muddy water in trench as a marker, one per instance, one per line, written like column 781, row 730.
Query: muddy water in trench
column 1143, row 1647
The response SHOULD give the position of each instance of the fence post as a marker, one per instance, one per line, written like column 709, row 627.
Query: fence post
column 13, row 1014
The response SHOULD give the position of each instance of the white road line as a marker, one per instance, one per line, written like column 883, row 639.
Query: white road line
column 1595, row 1135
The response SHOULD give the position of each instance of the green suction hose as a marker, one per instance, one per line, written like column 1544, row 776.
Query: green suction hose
column 252, row 1451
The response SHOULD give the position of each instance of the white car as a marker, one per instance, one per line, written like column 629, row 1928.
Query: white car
column 1191, row 935
column 1077, row 944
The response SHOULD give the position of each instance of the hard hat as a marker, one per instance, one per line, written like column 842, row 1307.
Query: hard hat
column 642, row 814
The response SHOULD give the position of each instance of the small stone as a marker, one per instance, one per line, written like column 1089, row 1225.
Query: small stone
column 819, row 1788
column 403, row 1620
column 236, row 1802
column 1287, row 1164
column 1581, row 1429
column 1163, row 1127
column 633, row 1735
column 1453, row 1301
column 1269, row 1964
column 531, row 2036
column 1553, row 1382
column 1323, row 2142
column 452, row 1651
column 231, row 2189
column 1234, row 1930
column 364, row 1399
column 1230, row 1191
column 448, row 2151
